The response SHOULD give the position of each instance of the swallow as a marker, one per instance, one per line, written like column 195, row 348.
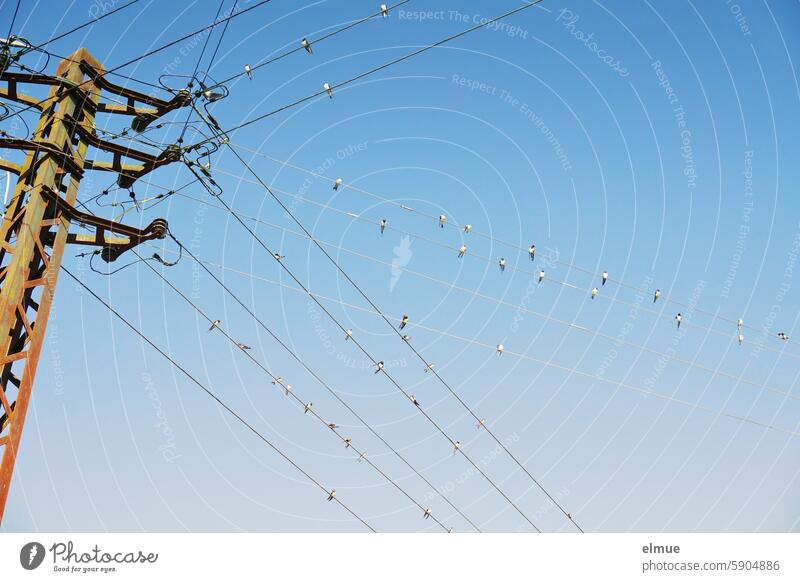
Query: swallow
column 481, row 422
column 502, row 264
column 595, row 291
column 362, row 456
column 741, row 339
column 783, row 336
column 427, row 513
column 348, row 335
column 429, row 367
column 378, row 367
column 347, row 442
column 307, row 45
column 404, row 322
column 541, row 276
column 604, row 278
column 467, row 228
column 414, row 400
column 442, row 220
column 248, row 71
column 288, row 389
column 499, row 349
column 243, row 346
column 337, row 184
column 214, row 325
column 456, row 447
column 532, row 251
column 384, row 222
column 656, row 295
column 333, row 425
column 462, row 250
column 308, row 407
column 384, row 10
column 328, row 89
column 278, row 380
column 739, row 323
column 278, row 256
column 406, row 338
column 332, row 495
column 679, row 319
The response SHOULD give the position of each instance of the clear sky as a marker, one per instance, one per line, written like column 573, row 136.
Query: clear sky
column 655, row 140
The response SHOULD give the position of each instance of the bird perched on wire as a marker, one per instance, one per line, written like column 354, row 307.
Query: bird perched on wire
column 248, row 71
column 595, row 291
column 306, row 45
column 332, row 495
column 679, row 319
column 214, row 325
column 456, row 447
column 656, row 295
column 288, row 388
column 741, row 339
column 481, row 423
column 328, row 89
column 541, row 276
column 333, row 425
column 279, row 256
column 499, row 349
column 378, row 367
column 604, row 278
column 404, row 321
column 427, row 513
column 467, row 228
column 338, row 184
column 414, row 400
column 783, row 336
column 362, row 456
column 347, row 442
column 502, row 264
column 278, row 380
column 243, row 346
column 348, row 335
column 384, row 10
column 406, row 338
column 739, row 323
column 429, row 367
column 442, row 220
column 532, row 251
column 307, row 407
column 462, row 250
column 384, row 222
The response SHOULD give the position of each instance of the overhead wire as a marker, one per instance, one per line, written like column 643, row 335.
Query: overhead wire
column 215, row 397
column 316, row 376
column 281, row 386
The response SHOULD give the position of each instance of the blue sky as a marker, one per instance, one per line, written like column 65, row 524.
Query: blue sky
column 653, row 140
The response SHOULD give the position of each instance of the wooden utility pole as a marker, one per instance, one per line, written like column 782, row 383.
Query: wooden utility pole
column 37, row 221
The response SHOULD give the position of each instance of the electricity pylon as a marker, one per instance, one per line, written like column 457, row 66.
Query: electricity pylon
column 37, row 220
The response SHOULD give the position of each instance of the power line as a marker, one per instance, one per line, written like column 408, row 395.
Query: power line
column 314, row 42
column 319, row 379
column 519, row 308
column 88, row 23
column 381, row 67
column 216, row 398
column 523, row 356
column 663, row 297
column 375, row 362
column 13, row 20
column 281, row 385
